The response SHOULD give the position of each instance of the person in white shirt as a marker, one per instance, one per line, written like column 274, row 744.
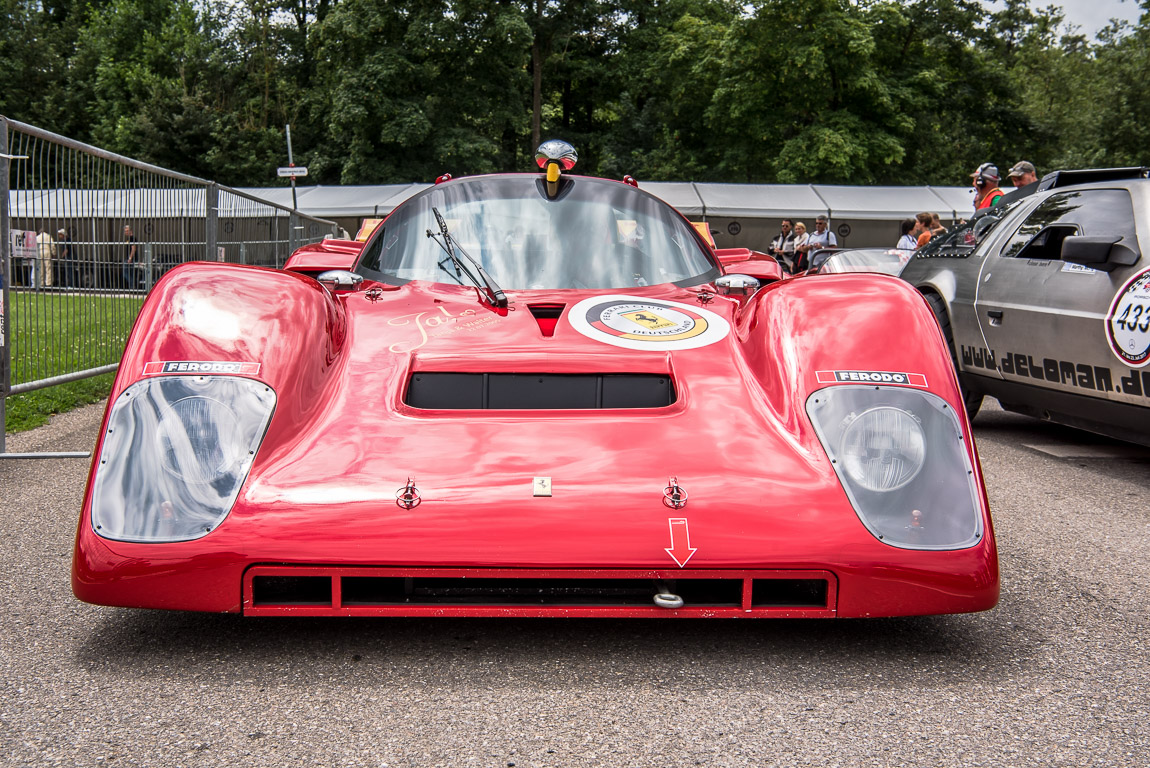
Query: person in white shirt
column 908, row 242
column 821, row 237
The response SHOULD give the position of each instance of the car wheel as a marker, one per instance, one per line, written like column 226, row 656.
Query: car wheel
column 972, row 400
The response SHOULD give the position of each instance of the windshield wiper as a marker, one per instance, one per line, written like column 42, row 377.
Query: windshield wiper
column 488, row 288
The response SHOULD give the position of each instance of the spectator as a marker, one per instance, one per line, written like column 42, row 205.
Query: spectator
column 783, row 246
column 45, row 256
column 800, row 255
column 922, row 227
column 907, row 242
column 936, row 227
column 986, row 191
column 821, row 237
column 131, row 258
column 65, row 260
column 1022, row 174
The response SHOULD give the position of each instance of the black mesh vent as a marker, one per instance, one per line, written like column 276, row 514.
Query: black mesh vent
column 538, row 391
column 292, row 590
column 370, row 590
column 791, row 593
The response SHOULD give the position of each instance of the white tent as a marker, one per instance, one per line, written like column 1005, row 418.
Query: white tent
column 768, row 201
column 881, row 203
column 684, row 197
column 367, row 201
column 761, row 201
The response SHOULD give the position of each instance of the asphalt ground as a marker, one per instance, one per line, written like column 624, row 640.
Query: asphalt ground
column 1057, row 675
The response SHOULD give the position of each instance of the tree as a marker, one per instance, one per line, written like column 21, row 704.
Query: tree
column 414, row 90
column 804, row 95
column 1121, row 95
column 667, row 69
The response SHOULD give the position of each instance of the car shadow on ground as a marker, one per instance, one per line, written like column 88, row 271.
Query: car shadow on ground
column 546, row 652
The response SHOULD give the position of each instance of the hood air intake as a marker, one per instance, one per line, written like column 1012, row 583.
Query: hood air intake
column 538, row 391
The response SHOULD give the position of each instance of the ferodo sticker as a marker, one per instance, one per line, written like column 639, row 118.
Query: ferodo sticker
column 1128, row 322
column 653, row 324
column 871, row 377
column 201, row 366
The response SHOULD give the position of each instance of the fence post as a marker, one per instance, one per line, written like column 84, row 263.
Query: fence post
column 149, row 277
column 211, row 220
column 293, row 236
column 5, row 273
column 243, row 252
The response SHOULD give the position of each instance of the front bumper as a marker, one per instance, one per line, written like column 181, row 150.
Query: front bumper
column 870, row 581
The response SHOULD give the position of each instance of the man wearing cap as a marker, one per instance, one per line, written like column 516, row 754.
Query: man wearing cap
column 986, row 191
column 1022, row 173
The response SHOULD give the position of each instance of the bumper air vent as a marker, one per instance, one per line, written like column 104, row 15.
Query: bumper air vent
column 538, row 391
column 342, row 591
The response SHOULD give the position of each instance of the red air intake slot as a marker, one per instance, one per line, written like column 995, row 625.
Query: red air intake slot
column 547, row 316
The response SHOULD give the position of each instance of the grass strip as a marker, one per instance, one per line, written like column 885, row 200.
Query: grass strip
column 52, row 334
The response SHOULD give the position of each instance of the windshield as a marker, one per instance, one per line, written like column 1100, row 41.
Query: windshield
column 595, row 234
column 889, row 261
column 962, row 238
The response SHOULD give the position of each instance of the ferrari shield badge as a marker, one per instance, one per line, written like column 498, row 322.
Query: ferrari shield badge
column 652, row 324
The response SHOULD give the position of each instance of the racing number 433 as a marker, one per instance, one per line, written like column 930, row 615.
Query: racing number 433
column 1127, row 323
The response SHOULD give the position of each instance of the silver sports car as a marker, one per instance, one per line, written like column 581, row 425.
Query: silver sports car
column 1045, row 300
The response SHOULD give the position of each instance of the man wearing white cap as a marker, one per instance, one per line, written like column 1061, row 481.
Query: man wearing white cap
column 985, row 181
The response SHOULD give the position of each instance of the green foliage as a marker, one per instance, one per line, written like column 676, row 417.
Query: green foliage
column 411, row 92
column 1123, row 130
column 377, row 91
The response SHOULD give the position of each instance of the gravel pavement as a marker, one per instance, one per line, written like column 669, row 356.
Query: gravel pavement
column 1057, row 675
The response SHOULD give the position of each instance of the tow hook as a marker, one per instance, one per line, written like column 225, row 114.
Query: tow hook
column 665, row 598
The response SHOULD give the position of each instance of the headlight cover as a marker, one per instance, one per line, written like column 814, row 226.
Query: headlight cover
column 900, row 456
column 177, row 451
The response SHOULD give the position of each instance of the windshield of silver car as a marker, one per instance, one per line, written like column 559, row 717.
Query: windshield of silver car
column 594, row 234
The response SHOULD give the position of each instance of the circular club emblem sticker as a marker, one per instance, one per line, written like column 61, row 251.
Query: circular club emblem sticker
column 638, row 323
column 1128, row 322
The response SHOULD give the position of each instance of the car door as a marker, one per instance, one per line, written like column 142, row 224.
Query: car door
column 950, row 265
column 1046, row 319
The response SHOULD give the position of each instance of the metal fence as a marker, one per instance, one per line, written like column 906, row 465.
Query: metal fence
column 85, row 235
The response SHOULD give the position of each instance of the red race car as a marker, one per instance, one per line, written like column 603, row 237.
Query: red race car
column 535, row 395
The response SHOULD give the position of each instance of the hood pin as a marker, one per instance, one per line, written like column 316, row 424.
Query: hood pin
column 407, row 497
column 674, row 496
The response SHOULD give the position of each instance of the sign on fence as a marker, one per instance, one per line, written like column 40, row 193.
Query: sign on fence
column 23, row 243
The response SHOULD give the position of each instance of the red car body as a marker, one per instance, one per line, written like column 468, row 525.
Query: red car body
column 724, row 497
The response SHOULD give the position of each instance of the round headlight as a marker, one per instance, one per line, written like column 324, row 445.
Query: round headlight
column 198, row 440
column 883, row 449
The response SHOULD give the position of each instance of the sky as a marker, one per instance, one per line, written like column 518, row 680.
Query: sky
column 1090, row 15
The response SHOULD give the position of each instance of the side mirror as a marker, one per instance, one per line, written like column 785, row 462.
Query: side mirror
column 1098, row 252
column 737, row 285
column 337, row 280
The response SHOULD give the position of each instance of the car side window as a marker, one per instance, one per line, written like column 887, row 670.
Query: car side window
column 1081, row 212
